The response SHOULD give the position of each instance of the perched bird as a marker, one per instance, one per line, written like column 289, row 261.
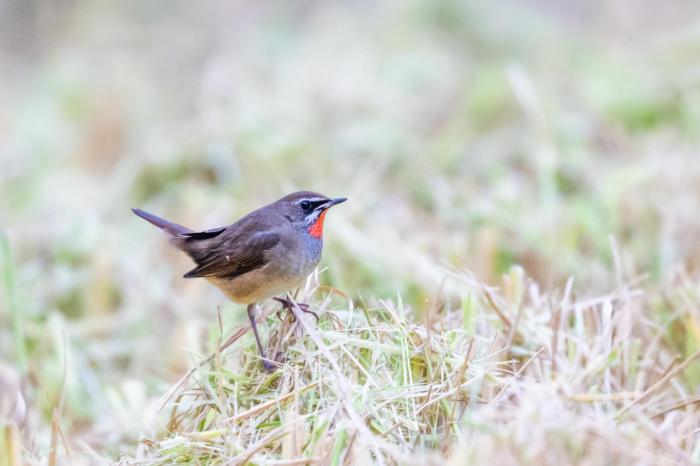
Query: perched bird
column 263, row 255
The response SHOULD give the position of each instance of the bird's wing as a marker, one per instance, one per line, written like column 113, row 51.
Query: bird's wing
column 230, row 256
column 211, row 233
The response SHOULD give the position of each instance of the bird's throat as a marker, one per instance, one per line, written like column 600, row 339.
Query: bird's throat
column 316, row 229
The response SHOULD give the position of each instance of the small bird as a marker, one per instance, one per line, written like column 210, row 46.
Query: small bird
column 263, row 255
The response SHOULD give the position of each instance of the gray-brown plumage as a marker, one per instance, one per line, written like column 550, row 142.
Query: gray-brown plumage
column 265, row 254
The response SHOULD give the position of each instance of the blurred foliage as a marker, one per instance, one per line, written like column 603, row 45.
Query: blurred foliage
column 467, row 135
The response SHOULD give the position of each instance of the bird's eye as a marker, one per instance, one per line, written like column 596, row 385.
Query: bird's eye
column 306, row 205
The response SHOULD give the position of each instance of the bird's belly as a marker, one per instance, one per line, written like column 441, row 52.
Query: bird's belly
column 265, row 282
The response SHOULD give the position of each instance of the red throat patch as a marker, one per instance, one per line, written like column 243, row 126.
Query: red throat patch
column 316, row 230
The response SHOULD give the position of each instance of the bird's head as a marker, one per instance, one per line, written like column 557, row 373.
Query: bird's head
column 307, row 210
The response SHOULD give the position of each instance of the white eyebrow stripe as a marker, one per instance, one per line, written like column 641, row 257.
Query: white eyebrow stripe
column 311, row 199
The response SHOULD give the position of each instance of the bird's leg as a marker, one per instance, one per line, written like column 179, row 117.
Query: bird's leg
column 251, row 315
column 287, row 305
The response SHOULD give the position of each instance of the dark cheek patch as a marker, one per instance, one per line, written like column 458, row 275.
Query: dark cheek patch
column 316, row 230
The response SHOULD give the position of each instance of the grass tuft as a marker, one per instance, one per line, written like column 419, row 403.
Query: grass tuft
column 507, row 376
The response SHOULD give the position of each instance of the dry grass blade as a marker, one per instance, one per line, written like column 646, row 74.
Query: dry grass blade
column 680, row 405
column 267, row 404
column 660, row 383
column 522, row 369
column 57, row 413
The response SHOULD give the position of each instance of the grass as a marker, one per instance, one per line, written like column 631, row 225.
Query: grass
column 526, row 378
column 515, row 272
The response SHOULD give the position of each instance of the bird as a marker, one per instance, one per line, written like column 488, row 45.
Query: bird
column 265, row 254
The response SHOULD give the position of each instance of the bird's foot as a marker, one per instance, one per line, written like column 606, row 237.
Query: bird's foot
column 287, row 305
column 269, row 366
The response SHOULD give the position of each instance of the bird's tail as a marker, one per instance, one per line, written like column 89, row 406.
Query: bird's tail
column 172, row 228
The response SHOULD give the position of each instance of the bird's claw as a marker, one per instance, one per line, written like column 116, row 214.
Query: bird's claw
column 288, row 304
column 269, row 366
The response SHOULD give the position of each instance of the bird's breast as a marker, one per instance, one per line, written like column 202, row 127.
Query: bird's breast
column 287, row 265
column 299, row 258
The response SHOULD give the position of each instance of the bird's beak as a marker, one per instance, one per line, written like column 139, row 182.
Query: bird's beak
column 335, row 201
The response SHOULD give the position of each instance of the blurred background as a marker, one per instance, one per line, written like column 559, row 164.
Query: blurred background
column 468, row 136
